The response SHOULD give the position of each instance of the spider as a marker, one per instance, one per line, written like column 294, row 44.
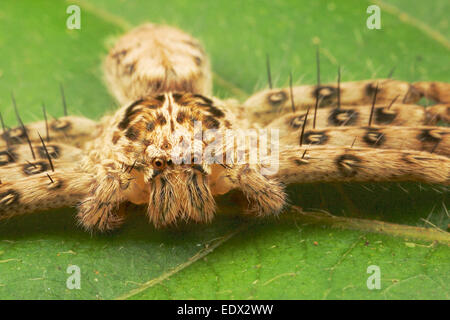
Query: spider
column 356, row 131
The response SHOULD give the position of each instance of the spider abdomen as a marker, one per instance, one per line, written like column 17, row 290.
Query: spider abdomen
column 155, row 59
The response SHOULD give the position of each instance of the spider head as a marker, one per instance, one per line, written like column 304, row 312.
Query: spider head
column 161, row 141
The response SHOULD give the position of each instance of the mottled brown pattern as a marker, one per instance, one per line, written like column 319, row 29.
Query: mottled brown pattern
column 161, row 77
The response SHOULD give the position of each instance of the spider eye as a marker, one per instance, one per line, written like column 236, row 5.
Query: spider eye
column 195, row 159
column 158, row 163
column 165, row 146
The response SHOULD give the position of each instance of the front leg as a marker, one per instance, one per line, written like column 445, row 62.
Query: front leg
column 265, row 195
column 312, row 164
column 103, row 208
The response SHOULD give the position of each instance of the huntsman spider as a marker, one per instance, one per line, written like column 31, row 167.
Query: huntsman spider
column 363, row 131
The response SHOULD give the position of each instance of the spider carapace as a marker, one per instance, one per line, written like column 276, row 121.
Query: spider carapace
column 173, row 147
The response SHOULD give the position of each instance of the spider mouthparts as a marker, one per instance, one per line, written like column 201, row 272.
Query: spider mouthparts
column 182, row 196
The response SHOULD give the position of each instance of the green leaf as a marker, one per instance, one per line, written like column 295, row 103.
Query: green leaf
column 307, row 254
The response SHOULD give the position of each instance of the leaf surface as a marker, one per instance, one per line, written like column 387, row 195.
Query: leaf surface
column 235, row 257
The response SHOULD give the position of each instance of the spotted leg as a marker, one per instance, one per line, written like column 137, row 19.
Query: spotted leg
column 264, row 105
column 433, row 90
column 41, row 188
column 346, row 164
column 423, row 138
column 70, row 130
column 23, row 155
column 395, row 115
column 263, row 183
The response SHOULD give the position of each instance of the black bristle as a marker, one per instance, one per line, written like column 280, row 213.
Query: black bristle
column 19, row 120
column 5, row 135
column 435, row 146
column 406, row 95
column 46, row 122
column 132, row 167
column 291, row 92
column 339, row 88
column 46, row 153
column 315, row 112
column 22, row 125
column 11, row 155
column 51, row 180
column 318, row 65
column 31, row 164
column 28, row 141
column 304, row 153
column 391, row 73
column 304, row 125
column 393, row 101
column 269, row 73
column 318, row 86
column 373, row 105
column 63, row 97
